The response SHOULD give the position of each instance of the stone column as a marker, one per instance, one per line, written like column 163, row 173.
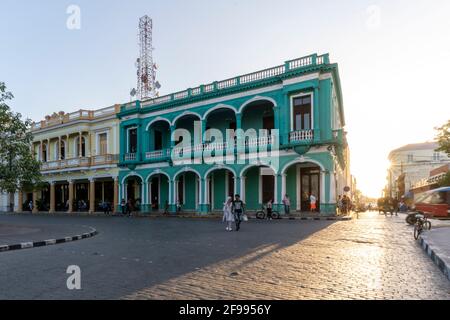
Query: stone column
column 116, row 195
column 242, row 193
column 80, row 152
column 91, row 195
column 59, row 147
column 52, row 197
column 35, row 198
column 20, row 202
column 70, row 210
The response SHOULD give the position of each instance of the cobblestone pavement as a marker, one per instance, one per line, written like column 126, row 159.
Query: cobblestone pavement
column 374, row 257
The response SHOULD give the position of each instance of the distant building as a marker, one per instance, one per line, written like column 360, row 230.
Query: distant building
column 411, row 164
column 432, row 182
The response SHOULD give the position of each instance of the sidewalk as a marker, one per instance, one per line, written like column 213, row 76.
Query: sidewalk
column 436, row 244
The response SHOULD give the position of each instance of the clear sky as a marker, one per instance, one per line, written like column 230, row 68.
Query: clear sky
column 393, row 57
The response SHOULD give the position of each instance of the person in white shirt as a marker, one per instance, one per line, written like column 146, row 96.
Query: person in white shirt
column 313, row 202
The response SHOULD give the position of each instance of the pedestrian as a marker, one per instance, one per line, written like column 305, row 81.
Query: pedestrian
column 339, row 205
column 106, row 207
column 269, row 209
column 123, row 206
column 166, row 207
column 129, row 208
column 228, row 216
column 287, row 204
column 30, row 205
column 238, row 209
column 313, row 202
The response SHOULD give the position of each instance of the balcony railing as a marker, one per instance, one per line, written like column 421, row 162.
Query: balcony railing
column 217, row 86
column 61, row 118
column 79, row 162
column 301, row 136
column 157, row 155
column 130, row 156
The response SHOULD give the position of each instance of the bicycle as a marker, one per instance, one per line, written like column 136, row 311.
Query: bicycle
column 262, row 214
column 422, row 223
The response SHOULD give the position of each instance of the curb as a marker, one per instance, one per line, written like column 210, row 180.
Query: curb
column 435, row 256
column 36, row 244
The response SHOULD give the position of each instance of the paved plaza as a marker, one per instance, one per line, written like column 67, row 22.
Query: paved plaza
column 374, row 257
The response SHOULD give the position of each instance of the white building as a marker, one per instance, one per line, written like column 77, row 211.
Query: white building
column 415, row 161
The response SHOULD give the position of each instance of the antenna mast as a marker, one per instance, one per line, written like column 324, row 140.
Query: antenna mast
column 146, row 70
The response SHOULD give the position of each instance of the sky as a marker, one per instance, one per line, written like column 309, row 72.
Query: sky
column 393, row 58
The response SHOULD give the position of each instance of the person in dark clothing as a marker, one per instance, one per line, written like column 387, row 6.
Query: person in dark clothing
column 238, row 210
column 123, row 206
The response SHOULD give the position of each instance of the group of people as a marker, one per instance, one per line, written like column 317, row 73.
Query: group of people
column 128, row 207
column 233, row 212
column 344, row 204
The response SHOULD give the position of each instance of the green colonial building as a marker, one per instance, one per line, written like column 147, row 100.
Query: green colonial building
column 262, row 135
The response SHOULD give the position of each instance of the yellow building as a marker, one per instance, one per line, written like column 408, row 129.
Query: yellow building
column 79, row 154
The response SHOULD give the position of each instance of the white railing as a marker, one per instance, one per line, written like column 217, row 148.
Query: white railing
column 78, row 162
column 105, row 112
column 208, row 88
column 226, row 83
column 157, row 154
column 260, row 75
column 196, row 91
column 301, row 135
column 259, row 141
column 180, row 95
column 130, row 157
column 301, row 62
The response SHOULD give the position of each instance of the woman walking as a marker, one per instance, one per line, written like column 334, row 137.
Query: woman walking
column 228, row 216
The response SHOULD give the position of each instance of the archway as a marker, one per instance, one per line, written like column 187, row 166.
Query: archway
column 187, row 189
column 158, row 191
column 300, row 181
column 221, row 119
column 132, row 191
column 220, row 184
column 159, row 135
column 258, row 186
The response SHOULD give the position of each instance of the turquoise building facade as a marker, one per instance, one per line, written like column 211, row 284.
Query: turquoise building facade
column 262, row 135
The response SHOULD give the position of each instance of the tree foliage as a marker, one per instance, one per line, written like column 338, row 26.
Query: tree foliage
column 443, row 138
column 445, row 181
column 18, row 168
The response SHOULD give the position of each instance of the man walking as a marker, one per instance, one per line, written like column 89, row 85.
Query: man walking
column 238, row 209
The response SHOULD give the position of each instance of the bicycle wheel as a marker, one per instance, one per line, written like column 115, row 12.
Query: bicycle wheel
column 275, row 215
column 411, row 219
column 427, row 225
column 260, row 215
column 417, row 232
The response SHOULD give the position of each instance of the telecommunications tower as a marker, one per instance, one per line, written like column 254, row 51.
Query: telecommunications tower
column 146, row 70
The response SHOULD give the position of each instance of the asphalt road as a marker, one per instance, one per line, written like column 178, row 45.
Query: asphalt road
column 374, row 257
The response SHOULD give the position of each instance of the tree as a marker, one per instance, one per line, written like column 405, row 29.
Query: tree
column 18, row 168
column 445, row 180
column 443, row 138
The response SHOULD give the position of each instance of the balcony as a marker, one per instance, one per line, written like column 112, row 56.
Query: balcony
column 83, row 162
column 300, row 138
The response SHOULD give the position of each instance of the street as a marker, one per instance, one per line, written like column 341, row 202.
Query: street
column 374, row 257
